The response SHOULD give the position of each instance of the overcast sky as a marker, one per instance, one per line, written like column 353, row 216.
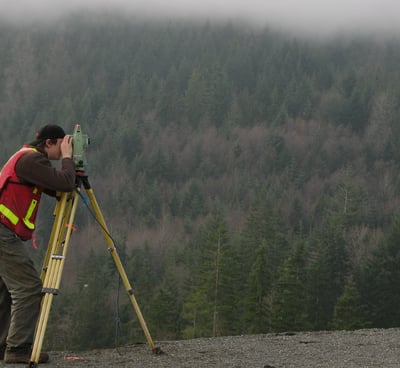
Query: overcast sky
column 319, row 16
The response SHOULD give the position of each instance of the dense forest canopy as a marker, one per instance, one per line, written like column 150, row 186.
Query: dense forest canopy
column 249, row 177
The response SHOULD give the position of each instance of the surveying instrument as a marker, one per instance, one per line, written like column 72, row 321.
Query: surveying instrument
column 64, row 214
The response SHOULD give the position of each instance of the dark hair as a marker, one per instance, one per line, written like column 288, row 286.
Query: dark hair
column 48, row 131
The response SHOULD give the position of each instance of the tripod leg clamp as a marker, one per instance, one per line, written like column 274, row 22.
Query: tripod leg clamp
column 50, row 291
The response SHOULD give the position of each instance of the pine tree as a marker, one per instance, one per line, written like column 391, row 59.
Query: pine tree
column 258, row 297
column 350, row 313
column 164, row 313
column 289, row 303
column 327, row 270
column 264, row 226
column 380, row 280
column 202, row 309
column 196, row 97
column 92, row 316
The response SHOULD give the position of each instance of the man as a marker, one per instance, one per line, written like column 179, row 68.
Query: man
column 23, row 178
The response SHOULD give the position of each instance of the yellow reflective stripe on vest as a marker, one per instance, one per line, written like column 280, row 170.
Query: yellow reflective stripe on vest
column 8, row 214
column 28, row 215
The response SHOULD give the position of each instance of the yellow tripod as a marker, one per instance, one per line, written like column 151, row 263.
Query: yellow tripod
column 55, row 257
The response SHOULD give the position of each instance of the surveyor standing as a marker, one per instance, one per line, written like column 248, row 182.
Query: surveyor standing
column 23, row 178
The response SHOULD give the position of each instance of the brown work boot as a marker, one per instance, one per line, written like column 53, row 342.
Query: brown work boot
column 16, row 356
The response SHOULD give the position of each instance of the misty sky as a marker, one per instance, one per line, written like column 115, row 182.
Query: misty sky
column 315, row 16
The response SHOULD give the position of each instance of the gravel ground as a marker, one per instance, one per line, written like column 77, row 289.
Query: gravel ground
column 334, row 349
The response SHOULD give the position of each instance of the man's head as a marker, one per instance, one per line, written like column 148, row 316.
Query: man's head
column 48, row 139
column 50, row 132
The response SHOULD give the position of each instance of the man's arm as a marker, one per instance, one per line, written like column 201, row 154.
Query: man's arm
column 35, row 168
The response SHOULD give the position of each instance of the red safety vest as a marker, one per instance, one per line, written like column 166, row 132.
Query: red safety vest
column 19, row 202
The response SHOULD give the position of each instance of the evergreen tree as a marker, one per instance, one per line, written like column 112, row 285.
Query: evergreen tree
column 327, row 271
column 164, row 313
column 202, row 310
column 350, row 313
column 381, row 278
column 92, row 316
column 289, row 303
column 258, row 296
column 264, row 226
column 197, row 97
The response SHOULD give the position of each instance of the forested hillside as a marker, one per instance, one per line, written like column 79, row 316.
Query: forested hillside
column 249, row 177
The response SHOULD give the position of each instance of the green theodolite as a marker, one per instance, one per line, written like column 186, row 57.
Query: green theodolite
column 79, row 142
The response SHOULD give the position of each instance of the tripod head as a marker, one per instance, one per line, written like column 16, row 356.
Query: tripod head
column 79, row 143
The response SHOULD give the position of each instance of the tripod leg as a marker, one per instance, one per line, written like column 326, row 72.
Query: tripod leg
column 117, row 261
column 61, row 211
column 52, row 271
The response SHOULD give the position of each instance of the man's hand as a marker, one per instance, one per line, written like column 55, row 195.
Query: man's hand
column 66, row 147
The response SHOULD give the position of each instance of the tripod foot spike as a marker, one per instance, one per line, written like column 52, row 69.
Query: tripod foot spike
column 157, row 351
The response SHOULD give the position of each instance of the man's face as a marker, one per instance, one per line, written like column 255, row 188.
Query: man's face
column 53, row 149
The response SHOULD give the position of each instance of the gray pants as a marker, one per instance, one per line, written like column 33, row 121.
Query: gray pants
column 20, row 292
